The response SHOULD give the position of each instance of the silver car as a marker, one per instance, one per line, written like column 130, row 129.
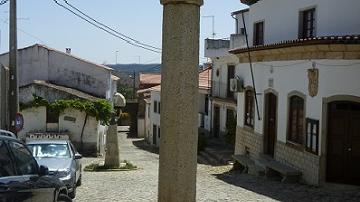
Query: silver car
column 61, row 158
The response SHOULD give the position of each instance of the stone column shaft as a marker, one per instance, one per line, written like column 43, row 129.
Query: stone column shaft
column 179, row 101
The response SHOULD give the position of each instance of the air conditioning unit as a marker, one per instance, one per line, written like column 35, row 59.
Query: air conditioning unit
column 236, row 85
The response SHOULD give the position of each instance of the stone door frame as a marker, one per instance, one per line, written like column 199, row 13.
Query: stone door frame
column 324, row 129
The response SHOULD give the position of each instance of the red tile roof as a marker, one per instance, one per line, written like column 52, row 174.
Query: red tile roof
column 150, row 78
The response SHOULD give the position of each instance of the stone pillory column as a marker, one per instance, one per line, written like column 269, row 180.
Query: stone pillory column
column 179, row 100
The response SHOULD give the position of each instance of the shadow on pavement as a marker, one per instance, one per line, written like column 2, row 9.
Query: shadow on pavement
column 289, row 192
column 141, row 144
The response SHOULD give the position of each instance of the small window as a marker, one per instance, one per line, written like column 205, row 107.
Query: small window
column 155, row 106
column 25, row 162
column 296, row 120
column 206, row 105
column 307, row 23
column 159, row 131
column 258, row 34
column 249, row 108
column 312, row 136
column 6, row 167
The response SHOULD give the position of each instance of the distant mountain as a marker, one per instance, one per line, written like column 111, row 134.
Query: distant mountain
column 129, row 68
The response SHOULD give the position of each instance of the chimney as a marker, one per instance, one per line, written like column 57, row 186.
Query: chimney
column 68, row 50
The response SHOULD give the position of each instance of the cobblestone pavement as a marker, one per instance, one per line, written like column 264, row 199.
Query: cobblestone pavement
column 213, row 183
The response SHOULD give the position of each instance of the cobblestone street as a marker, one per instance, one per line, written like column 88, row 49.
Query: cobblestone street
column 213, row 183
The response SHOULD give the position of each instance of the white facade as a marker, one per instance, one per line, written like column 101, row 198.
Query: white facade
column 281, row 18
column 154, row 137
column 282, row 68
column 336, row 77
column 152, row 116
column 71, row 121
column 38, row 62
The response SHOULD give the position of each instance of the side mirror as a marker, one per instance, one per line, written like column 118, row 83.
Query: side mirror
column 78, row 156
column 43, row 170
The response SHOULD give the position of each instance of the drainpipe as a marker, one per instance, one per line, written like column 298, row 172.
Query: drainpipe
column 179, row 106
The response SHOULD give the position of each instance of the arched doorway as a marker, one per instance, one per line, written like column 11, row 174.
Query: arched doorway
column 343, row 142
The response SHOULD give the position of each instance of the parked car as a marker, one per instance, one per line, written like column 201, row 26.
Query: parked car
column 22, row 179
column 60, row 156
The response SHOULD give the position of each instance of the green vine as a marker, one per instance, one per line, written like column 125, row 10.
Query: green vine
column 100, row 109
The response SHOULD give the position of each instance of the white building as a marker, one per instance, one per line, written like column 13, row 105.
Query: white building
column 55, row 75
column 153, row 107
column 306, row 62
column 223, row 98
column 38, row 62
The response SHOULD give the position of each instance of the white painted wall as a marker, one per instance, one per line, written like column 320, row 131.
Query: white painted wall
column 40, row 63
column 141, row 127
column 147, row 122
column 32, row 124
column 154, row 117
column 333, row 17
column 336, row 77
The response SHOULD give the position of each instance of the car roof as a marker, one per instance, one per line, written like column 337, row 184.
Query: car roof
column 46, row 141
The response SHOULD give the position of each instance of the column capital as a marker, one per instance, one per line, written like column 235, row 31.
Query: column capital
column 196, row 2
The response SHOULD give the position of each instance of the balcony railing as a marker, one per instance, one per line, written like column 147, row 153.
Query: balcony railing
column 220, row 90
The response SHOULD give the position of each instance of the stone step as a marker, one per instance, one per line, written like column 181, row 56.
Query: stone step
column 208, row 159
column 222, row 156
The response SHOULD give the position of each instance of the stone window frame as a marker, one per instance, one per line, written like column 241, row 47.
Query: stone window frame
column 301, row 32
column 256, row 41
column 312, row 123
column 252, row 112
column 296, row 145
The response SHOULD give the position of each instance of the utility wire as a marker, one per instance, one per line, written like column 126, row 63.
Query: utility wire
column 102, row 24
column 105, row 30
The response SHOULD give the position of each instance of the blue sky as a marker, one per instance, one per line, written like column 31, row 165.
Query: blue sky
column 45, row 22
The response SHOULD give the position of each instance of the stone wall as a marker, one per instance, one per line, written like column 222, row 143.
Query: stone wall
column 307, row 163
column 248, row 141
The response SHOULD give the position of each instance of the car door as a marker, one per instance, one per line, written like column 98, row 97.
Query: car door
column 41, row 187
column 12, row 186
column 77, row 161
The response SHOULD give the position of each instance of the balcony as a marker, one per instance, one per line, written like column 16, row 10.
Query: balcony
column 237, row 41
column 216, row 47
column 220, row 90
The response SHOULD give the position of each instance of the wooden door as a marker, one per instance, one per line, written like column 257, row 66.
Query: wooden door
column 343, row 143
column 270, row 124
column 216, row 121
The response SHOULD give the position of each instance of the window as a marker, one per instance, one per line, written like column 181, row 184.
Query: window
column 258, row 34
column 231, row 75
column 25, row 163
column 249, row 108
column 155, row 106
column 312, row 135
column 296, row 120
column 6, row 167
column 206, row 105
column 159, row 107
column 307, row 23
column 159, row 131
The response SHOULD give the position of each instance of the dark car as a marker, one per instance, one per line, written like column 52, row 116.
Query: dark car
column 21, row 179
column 60, row 156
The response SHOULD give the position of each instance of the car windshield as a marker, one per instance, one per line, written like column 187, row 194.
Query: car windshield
column 49, row 150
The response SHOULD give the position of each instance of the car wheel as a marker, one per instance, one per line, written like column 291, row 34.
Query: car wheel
column 64, row 198
column 73, row 193
column 79, row 182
